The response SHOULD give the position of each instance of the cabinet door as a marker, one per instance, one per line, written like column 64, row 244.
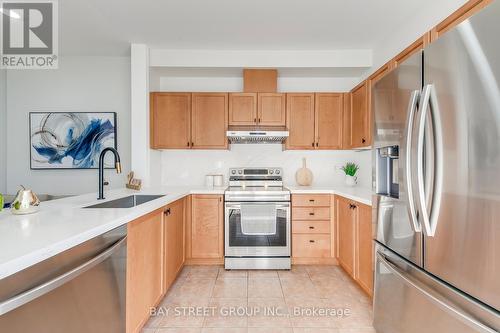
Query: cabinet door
column 346, row 127
column 242, row 109
column 174, row 241
column 364, row 246
column 207, row 238
column 271, row 109
column 209, row 120
column 360, row 117
column 144, row 268
column 329, row 109
column 300, row 121
column 345, row 234
column 170, row 120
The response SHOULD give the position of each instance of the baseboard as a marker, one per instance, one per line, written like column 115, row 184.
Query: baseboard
column 204, row 261
column 314, row 261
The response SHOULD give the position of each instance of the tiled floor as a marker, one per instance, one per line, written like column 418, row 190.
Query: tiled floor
column 307, row 299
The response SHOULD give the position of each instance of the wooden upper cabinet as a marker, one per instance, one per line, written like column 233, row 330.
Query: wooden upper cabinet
column 300, row 121
column 329, row 110
column 260, row 80
column 170, row 120
column 364, row 253
column 360, row 116
column 345, row 233
column 242, row 109
column 346, row 122
column 271, row 109
column 209, row 115
column 207, row 224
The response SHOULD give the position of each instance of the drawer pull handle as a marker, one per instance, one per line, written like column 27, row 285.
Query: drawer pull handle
column 311, row 227
column 311, row 200
column 311, row 214
column 311, row 241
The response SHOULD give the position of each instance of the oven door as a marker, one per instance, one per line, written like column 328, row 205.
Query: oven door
column 257, row 229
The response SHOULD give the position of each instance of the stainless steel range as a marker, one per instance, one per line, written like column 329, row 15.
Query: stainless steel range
column 257, row 220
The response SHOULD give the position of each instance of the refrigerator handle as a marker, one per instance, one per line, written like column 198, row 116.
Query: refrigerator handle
column 410, row 123
column 435, row 297
column 430, row 213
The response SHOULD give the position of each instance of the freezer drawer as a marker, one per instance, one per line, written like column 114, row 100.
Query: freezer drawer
column 408, row 300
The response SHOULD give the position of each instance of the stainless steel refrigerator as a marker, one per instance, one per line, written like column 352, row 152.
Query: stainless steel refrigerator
column 436, row 168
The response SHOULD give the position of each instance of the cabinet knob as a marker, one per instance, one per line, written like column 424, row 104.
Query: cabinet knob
column 312, row 144
column 255, row 120
column 188, row 144
column 317, row 144
column 167, row 212
column 363, row 140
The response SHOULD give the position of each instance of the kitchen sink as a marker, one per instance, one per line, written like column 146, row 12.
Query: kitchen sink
column 126, row 202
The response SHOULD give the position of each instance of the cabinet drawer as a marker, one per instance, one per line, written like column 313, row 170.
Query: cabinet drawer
column 311, row 246
column 311, row 227
column 311, row 200
column 312, row 213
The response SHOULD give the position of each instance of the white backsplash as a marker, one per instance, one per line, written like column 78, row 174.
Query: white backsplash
column 189, row 167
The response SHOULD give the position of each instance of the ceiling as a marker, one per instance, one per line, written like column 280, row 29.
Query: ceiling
column 107, row 27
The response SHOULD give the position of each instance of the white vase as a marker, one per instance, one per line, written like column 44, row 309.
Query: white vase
column 351, row 180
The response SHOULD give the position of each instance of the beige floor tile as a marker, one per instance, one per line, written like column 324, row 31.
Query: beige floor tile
column 230, row 288
column 179, row 330
column 203, row 272
column 296, row 271
column 259, row 274
column 314, row 330
column 229, row 312
column 264, row 288
column 184, row 313
column 268, row 312
column 270, row 330
column 232, row 274
column 223, row 330
column 299, row 287
column 302, row 313
column 194, row 288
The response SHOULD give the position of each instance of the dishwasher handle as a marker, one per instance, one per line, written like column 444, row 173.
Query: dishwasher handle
column 38, row 291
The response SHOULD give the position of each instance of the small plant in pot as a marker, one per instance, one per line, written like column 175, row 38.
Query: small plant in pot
column 350, row 170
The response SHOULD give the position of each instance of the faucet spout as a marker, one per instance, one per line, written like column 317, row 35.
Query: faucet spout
column 118, row 168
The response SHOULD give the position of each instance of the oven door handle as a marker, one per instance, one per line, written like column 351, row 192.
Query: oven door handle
column 280, row 205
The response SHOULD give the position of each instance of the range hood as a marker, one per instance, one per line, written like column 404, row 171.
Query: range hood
column 257, row 135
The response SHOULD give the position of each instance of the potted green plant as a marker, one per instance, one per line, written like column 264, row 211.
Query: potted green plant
column 350, row 169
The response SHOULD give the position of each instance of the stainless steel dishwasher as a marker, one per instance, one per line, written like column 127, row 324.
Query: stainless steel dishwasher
column 79, row 290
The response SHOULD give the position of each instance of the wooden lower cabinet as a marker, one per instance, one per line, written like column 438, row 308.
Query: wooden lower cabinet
column 174, row 241
column 312, row 231
column 144, row 286
column 205, row 233
column 355, row 241
column 345, row 234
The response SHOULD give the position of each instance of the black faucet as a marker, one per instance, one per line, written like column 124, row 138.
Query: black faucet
column 101, row 168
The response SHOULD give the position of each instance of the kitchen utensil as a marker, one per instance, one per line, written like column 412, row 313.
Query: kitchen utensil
column 304, row 176
column 25, row 202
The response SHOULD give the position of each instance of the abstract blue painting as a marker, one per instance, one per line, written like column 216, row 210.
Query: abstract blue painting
column 70, row 140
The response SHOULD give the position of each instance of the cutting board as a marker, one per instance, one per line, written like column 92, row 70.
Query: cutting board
column 304, row 176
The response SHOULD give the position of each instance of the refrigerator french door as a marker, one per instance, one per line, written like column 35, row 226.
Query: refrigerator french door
column 438, row 258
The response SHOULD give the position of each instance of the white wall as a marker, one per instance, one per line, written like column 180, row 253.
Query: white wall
column 80, row 84
column 3, row 134
column 412, row 29
column 181, row 167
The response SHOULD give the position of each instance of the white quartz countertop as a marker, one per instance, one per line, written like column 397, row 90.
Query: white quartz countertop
column 360, row 194
column 61, row 224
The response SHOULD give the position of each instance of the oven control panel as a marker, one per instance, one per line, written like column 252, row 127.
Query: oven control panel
column 255, row 172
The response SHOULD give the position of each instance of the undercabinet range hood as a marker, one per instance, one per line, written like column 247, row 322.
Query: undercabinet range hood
column 257, row 135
